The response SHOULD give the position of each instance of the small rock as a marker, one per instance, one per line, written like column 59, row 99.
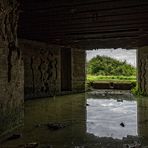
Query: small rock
column 119, row 100
column 87, row 105
column 38, row 125
column 14, row 136
column 31, row 145
column 133, row 146
column 56, row 126
column 49, row 146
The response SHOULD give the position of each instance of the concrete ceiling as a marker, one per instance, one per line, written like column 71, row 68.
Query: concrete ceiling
column 86, row 24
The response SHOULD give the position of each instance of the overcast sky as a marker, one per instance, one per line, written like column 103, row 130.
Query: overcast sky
column 119, row 54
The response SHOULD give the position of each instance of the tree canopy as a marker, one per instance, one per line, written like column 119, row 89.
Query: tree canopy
column 103, row 65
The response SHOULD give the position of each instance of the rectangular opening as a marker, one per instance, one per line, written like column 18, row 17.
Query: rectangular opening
column 111, row 68
column 66, row 74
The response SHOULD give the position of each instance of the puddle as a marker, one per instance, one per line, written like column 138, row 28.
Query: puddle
column 85, row 120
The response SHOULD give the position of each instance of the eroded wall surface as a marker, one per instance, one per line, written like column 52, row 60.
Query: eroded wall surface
column 143, row 70
column 11, row 68
column 42, row 69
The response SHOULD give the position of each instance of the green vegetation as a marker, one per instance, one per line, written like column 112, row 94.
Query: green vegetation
column 138, row 92
column 102, row 68
column 111, row 78
column 106, row 66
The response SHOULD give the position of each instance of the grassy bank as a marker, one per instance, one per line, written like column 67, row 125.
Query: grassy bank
column 111, row 78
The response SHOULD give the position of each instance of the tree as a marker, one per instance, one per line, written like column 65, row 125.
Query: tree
column 103, row 65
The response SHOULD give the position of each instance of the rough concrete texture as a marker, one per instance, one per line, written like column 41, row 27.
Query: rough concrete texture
column 143, row 70
column 42, row 69
column 11, row 68
column 78, row 70
column 41, row 65
column 142, row 112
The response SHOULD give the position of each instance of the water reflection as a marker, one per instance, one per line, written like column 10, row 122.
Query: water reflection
column 104, row 117
column 70, row 110
column 92, row 121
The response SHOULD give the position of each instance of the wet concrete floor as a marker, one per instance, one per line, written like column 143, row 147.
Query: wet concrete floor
column 91, row 120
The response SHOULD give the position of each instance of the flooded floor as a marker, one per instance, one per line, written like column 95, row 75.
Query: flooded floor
column 91, row 120
column 110, row 118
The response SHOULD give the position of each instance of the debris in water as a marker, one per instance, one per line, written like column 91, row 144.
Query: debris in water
column 38, row 125
column 31, row 145
column 122, row 124
column 56, row 126
column 49, row 146
column 14, row 136
column 133, row 145
column 111, row 86
column 119, row 100
column 87, row 105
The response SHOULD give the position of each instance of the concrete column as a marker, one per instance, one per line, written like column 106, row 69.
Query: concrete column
column 78, row 70
column 142, row 112
column 11, row 68
column 143, row 70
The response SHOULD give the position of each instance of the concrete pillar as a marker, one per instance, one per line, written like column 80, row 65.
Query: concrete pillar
column 78, row 70
column 142, row 112
column 11, row 68
column 143, row 70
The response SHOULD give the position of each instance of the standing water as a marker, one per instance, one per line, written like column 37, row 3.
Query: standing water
column 92, row 120
column 110, row 118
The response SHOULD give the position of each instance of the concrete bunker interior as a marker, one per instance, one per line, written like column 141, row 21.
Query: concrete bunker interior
column 37, row 36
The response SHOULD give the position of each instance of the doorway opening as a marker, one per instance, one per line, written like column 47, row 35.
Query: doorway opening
column 111, row 108
column 111, row 68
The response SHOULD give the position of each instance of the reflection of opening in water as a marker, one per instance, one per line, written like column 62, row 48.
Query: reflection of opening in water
column 103, row 120
column 104, row 117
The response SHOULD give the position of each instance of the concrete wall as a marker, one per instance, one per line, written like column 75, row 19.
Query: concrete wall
column 11, row 69
column 42, row 69
column 143, row 69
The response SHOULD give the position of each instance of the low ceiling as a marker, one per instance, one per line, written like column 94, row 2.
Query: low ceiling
column 86, row 23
